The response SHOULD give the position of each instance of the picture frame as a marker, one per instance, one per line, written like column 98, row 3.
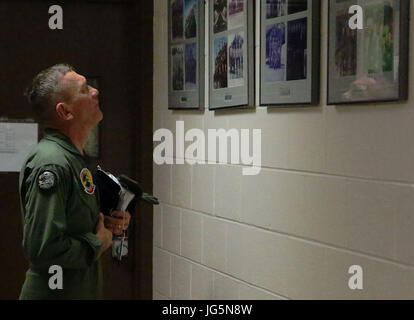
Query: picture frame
column 186, row 54
column 231, row 48
column 368, row 65
column 93, row 146
column 289, row 52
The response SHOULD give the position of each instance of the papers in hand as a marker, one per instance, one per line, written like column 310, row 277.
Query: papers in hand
column 125, row 198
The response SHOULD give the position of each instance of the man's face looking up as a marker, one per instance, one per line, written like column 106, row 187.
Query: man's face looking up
column 81, row 99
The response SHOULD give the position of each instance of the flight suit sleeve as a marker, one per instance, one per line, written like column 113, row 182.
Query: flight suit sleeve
column 45, row 240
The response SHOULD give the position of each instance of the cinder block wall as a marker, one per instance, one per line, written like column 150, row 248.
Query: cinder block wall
column 336, row 190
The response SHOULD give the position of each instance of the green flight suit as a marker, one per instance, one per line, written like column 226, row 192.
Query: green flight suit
column 59, row 221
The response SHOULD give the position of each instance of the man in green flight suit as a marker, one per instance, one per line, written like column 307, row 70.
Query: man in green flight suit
column 63, row 230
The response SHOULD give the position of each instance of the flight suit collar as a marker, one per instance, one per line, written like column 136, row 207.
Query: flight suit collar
column 61, row 139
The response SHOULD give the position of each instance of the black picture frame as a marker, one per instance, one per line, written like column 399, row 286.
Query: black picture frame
column 297, row 80
column 361, row 78
column 186, row 54
column 234, row 85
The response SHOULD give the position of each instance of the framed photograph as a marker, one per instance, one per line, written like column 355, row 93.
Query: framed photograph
column 186, row 54
column 368, row 64
column 289, row 52
column 92, row 147
column 231, row 38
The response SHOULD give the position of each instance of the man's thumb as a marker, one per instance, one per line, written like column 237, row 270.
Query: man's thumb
column 100, row 222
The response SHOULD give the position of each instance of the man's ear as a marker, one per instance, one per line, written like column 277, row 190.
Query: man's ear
column 63, row 111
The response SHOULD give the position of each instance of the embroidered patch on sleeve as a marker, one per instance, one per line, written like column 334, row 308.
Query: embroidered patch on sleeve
column 87, row 181
column 47, row 180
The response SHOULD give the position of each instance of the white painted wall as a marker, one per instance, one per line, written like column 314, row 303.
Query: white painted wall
column 337, row 189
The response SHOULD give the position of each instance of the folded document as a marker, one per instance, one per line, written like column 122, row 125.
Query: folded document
column 119, row 193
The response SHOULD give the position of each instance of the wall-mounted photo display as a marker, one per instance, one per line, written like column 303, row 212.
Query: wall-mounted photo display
column 231, row 53
column 289, row 52
column 186, row 54
column 368, row 64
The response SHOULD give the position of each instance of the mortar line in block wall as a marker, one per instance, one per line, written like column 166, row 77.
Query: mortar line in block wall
column 162, row 226
column 170, row 275
column 299, row 238
column 160, row 294
column 400, row 183
column 191, row 283
column 239, row 281
column 181, row 231
column 201, row 242
column 343, row 176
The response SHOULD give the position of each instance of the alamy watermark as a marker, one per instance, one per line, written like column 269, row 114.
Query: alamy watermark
column 56, row 280
column 356, row 281
column 203, row 150
column 56, row 20
column 357, row 20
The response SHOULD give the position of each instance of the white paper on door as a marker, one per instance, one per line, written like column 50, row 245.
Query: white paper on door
column 16, row 141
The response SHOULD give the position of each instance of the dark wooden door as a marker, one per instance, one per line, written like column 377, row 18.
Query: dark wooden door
column 100, row 39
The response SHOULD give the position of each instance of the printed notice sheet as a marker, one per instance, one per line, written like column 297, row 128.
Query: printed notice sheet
column 16, row 141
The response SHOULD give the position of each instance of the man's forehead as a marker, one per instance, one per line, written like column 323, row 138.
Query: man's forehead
column 73, row 78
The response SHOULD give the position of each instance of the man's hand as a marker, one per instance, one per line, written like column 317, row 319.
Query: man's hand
column 117, row 222
column 104, row 234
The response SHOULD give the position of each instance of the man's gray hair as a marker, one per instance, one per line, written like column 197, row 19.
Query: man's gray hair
column 45, row 90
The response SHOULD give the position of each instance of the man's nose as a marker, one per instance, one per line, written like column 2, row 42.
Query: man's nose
column 95, row 92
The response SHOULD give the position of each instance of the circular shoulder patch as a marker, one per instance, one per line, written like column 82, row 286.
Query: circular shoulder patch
column 47, row 180
column 87, row 181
